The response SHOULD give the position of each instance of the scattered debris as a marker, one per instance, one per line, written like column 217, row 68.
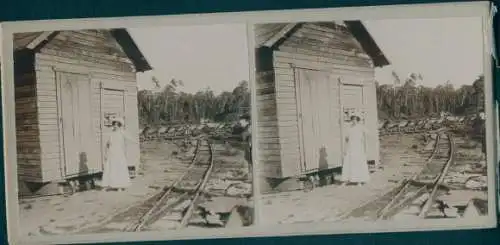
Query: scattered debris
column 239, row 189
column 154, row 187
column 477, row 183
column 429, row 146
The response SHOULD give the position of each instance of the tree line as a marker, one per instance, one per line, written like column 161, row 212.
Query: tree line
column 402, row 99
column 405, row 99
column 169, row 105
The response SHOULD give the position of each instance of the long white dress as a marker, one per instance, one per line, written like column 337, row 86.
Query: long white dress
column 355, row 166
column 115, row 173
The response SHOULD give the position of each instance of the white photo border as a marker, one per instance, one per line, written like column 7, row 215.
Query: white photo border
column 420, row 11
column 490, row 111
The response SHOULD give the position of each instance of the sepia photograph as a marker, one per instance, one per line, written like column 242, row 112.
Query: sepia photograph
column 371, row 120
column 128, row 130
column 374, row 119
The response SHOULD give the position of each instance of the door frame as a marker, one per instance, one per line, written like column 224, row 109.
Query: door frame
column 343, row 83
column 103, row 88
column 59, row 100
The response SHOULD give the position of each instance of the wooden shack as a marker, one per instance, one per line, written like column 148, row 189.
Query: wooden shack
column 310, row 77
column 67, row 83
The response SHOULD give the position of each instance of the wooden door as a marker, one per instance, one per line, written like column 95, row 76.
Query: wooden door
column 352, row 99
column 112, row 105
column 318, row 123
column 80, row 155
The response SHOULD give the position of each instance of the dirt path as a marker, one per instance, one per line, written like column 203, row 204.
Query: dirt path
column 60, row 214
column 162, row 164
column 399, row 158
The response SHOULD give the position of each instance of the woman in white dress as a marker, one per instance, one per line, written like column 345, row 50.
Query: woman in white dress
column 355, row 166
column 115, row 174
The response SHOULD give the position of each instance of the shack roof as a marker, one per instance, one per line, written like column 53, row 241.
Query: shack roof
column 36, row 40
column 267, row 35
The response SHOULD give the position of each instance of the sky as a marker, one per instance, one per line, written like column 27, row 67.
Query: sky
column 440, row 49
column 214, row 56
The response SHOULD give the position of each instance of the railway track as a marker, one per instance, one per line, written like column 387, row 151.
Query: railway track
column 427, row 183
column 174, row 204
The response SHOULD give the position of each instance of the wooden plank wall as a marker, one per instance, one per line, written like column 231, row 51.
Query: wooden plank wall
column 267, row 126
column 319, row 48
column 286, row 102
column 86, row 52
column 27, row 130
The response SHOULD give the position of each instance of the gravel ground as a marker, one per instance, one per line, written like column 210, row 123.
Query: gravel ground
column 398, row 159
column 60, row 214
column 467, row 178
column 401, row 156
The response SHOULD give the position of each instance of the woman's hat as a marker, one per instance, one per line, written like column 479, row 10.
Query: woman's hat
column 118, row 120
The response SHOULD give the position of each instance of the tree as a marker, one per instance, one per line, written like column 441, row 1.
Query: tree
column 413, row 100
column 170, row 106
